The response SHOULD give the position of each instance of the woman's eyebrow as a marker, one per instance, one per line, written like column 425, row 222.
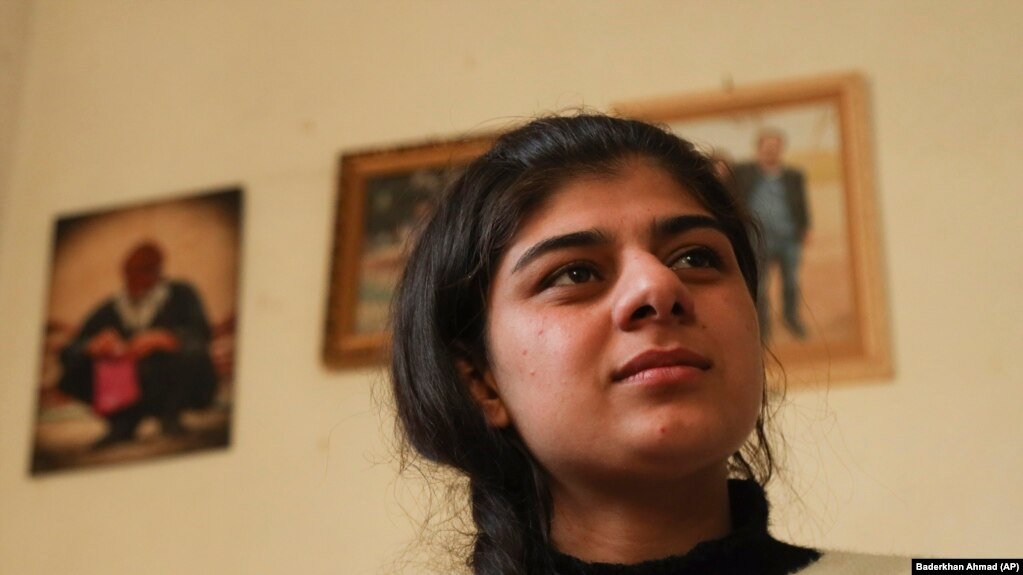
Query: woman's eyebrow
column 675, row 225
column 584, row 238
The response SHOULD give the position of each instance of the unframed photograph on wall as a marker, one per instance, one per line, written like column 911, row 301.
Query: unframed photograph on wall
column 139, row 339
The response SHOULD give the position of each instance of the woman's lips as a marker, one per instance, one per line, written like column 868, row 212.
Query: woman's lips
column 678, row 362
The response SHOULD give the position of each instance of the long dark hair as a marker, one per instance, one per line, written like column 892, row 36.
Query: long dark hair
column 439, row 315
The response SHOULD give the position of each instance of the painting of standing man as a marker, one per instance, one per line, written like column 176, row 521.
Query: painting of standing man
column 797, row 153
column 776, row 194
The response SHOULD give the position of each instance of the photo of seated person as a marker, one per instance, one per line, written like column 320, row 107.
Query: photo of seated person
column 153, row 336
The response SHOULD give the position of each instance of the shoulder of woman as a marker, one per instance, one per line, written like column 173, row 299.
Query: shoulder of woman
column 848, row 563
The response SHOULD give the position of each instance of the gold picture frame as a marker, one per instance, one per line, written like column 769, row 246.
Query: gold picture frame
column 824, row 120
column 382, row 196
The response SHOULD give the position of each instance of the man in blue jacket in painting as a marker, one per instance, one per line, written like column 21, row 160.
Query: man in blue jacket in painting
column 776, row 193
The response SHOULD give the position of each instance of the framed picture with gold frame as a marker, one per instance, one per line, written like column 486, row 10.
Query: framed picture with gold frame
column 799, row 153
column 383, row 196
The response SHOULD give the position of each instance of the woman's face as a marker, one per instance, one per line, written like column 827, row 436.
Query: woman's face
column 622, row 340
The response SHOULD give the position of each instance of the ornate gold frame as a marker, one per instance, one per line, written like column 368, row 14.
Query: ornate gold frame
column 343, row 346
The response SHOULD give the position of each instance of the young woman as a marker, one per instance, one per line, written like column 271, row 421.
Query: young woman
column 576, row 332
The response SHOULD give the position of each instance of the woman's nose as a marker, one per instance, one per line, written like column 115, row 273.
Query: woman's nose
column 650, row 291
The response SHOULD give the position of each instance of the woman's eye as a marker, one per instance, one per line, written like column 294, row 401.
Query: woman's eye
column 572, row 275
column 701, row 257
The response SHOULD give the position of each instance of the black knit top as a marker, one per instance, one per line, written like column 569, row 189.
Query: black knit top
column 748, row 550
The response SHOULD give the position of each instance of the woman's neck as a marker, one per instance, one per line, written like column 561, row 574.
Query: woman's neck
column 639, row 522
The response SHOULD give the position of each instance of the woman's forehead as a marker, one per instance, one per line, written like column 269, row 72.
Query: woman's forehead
column 636, row 195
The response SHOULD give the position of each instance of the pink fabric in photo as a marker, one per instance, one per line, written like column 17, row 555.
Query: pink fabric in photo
column 115, row 385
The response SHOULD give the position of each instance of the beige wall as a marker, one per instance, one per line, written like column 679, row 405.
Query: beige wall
column 126, row 100
column 14, row 24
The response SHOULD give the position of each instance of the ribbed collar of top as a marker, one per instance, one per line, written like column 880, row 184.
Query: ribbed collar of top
column 748, row 550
